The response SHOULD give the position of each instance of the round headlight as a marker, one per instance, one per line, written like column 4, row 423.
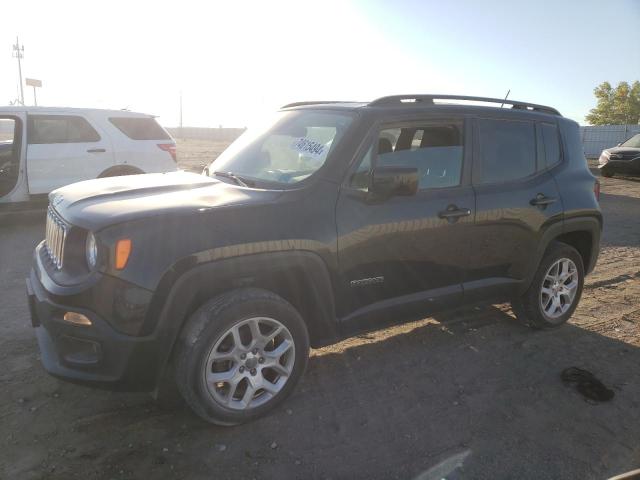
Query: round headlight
column 91, row 251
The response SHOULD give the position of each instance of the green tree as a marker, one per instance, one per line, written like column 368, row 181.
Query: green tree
column 616, row 106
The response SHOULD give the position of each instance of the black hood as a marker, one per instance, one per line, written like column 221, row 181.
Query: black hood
column 95, row 204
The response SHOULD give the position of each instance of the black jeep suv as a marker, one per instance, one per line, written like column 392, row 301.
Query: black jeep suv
column 332, row 219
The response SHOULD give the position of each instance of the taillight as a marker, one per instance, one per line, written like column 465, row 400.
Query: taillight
column 169, row 147
column 596, row 190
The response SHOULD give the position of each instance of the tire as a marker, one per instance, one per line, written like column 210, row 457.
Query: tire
column 536, row 307
column 120, row 172
column 220, row 342
column 606, row 172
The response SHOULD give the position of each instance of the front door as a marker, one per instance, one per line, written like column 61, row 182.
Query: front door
column 409, row 250
column 64, row 149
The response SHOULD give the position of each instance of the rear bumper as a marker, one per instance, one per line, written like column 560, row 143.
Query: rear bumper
column 95, row 355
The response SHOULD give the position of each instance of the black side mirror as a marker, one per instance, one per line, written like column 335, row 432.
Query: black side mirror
column 389, row 181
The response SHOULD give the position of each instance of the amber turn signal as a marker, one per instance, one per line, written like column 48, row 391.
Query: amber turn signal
column 123, row 249
column 76, row 318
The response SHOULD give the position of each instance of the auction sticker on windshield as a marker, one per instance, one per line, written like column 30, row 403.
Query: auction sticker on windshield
column 309, row 148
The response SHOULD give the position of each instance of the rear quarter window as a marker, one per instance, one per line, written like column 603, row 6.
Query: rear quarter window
column 551, row 142
column 140, row 128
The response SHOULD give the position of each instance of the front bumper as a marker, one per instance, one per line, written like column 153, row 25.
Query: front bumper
column 95, row 355
column 621, row 166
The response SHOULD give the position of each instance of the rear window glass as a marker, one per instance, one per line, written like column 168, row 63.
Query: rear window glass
column 507, row 150
column 47, row 129
column 140, row 128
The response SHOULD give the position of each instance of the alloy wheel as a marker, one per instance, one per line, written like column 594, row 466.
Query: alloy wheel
column 250, row 363
column 559, row 288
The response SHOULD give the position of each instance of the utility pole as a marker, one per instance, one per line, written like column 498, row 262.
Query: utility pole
column 18, row 52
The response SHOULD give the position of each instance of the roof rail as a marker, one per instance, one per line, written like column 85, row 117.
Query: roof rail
column 318, row 102
column 429, row 99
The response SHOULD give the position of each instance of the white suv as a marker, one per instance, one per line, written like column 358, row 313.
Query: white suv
column 43, row 148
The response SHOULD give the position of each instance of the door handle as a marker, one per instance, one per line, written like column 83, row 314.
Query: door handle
column 96, row 150
column 542, row 200
column 453, row 212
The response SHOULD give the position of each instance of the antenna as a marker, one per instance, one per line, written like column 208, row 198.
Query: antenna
column 505, row 98
column 18, row 52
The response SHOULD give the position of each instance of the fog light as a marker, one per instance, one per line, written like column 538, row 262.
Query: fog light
column 76, row 318
column 78, row 351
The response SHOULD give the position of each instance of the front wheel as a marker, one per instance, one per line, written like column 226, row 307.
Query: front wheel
column 555, row 290
column 606, row 172
column 240, row 355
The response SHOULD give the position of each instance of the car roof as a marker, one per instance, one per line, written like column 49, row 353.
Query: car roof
column 422, row 103
column 44, row 110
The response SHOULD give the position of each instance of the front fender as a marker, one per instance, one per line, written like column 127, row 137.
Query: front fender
column 307, row 286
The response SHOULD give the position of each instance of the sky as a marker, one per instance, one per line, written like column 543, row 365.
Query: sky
column 235, row 61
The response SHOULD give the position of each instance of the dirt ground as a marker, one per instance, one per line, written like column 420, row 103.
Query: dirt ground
column 471, row 389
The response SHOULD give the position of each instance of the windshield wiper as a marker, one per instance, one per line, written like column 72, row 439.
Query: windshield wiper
column 239, row 180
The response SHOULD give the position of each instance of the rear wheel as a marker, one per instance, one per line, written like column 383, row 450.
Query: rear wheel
column 555, row 290
column 240, row 355
column 120, row 171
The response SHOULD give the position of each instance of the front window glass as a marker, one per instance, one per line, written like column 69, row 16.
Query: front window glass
column 360, row 178
column 633, row 142
column 436, row 150
column 286, row 150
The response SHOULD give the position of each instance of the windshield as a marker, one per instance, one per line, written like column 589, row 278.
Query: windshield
column 633, row 142
column 288, row 149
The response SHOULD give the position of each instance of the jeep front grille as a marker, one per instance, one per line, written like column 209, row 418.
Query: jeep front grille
column 55, row 238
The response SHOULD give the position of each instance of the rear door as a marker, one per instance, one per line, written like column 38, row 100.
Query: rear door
column 64, row 148
column 406, row 250
column 516, row 200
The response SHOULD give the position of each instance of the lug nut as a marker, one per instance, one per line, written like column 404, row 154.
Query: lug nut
column 261, row 360
column 243, row 356
column 253, row 371
column 241, row 369
column 254, row 351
